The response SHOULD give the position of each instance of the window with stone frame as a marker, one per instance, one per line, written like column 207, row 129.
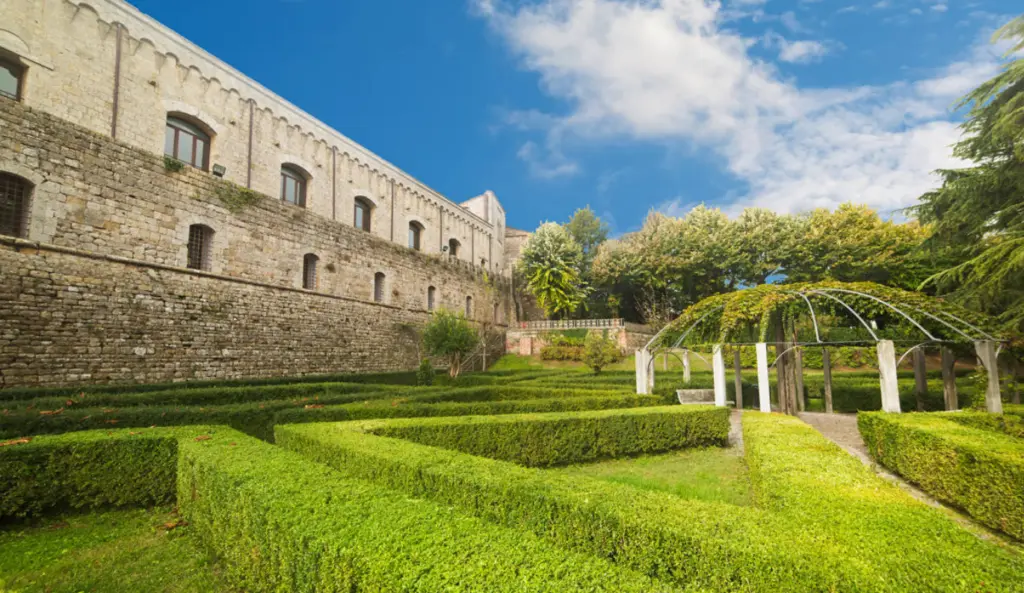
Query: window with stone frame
column 12, row 76
column 187, row 142
column 469, row 306
column 431, row 298
column 15, row 194
column 200, row 244
column 378, row 287
column 363, row 214
column 293, row 185
column 309, row 271
column 415, row 235
column 453, row 247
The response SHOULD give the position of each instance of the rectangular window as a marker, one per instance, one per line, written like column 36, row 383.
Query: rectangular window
column 199, row 239
column 10, row 79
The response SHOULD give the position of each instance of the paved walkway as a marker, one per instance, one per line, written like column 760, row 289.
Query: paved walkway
column 736, row 431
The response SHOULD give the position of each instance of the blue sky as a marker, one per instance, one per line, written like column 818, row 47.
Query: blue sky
column 624, row 105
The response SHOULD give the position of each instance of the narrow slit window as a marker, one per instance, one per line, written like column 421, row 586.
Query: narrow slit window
column 469, row 306
column 309, row 276
column 200, row 241
column 378, row 287
column 431, row 296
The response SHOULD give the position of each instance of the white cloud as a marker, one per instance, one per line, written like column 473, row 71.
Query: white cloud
column 801, row 52
column 546, row 166
column 940, row 7
column 789, row 21
column 669, row 71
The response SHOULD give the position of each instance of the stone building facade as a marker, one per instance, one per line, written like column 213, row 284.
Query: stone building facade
column 118, row 264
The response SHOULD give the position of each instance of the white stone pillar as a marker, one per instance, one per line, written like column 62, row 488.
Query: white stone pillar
column 887, row 377
column 650, row 373
column 641, row 372
column 987, row 354
column 718, row 369
column 686, row 367
column 764, row 387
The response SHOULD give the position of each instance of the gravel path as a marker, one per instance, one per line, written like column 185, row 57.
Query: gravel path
column 736, row 431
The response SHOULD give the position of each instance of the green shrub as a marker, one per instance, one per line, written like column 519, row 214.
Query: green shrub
column 978, row 470
column 560, row 347
column 425, row 374
column 599, row 352
column 280, row 523
column 1010, row 424
column 560, row 439
column 417, row 410
column 449, row 335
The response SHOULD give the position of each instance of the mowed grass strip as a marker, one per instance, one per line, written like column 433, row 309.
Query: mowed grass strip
column 107, row 551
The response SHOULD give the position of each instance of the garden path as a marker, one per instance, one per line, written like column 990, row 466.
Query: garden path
column 736, row 431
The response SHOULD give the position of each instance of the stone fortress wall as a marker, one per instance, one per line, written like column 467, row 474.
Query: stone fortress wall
column 97, row 290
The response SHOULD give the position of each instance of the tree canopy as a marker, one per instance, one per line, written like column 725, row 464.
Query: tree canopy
column 551, row 261
column 978, row 212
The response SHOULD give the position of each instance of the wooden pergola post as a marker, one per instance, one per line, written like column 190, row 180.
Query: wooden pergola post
column 949, row 394
column 920, row 378
column 737, row 369
column 826, row 367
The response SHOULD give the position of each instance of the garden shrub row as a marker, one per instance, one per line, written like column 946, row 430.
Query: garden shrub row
column 212, row 396
column 975, row 469
column 899, row 543
column 542, row 440
column 258, row 418
column 701, row 545
column 1010, row 424
column 698, row 544
column 280, row 523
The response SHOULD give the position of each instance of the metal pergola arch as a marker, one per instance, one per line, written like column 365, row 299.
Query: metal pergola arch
column 899, row 304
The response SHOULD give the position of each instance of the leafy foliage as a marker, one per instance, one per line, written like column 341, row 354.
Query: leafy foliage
column 425, row 373
column 551, row 261
column 449, row 335
column 589, row 232
column 599, row 351
column 978, row 470
column 979, row 210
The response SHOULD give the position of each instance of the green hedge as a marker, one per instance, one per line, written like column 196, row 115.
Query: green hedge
column 280, row 523
column 542, row 440
column 899, row 543
column 1008, row 423
column 213, row 396
column 714, row 546
column 417, row 410
column 978, row 470
column 258, row 418
column 827, row 522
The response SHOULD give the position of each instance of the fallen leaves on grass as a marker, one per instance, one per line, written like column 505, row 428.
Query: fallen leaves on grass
column 20, row 441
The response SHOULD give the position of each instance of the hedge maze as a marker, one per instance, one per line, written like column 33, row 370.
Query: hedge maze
column 341, row 484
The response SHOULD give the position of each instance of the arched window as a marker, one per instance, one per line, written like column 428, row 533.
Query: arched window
column 14, row 201
column 415, row 231
column 378, row 287
column 469, row 306
column 186, row 142
column 363, row 212
column 497, row 313
column 293, row 185
column 309, row 279
column 11, row 75
column 453, row 247
column 200, row 242
column 431, row 295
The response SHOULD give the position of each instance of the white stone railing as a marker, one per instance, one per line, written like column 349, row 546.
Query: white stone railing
column 572, row 324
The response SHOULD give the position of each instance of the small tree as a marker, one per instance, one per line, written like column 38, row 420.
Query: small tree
column 599, row 351
column 425, row 374
column 450, row 336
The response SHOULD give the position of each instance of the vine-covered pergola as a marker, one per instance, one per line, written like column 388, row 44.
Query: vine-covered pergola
column 822, row 315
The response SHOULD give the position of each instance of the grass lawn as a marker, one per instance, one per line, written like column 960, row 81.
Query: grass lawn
column 710, row 474
column 105, row 551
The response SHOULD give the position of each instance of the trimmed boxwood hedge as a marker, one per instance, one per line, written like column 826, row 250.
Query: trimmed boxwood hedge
column 280, row 523
column 828, row 523
column 978, row 470
column 541, row 440
column 258, row 418
column 1008, row 423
